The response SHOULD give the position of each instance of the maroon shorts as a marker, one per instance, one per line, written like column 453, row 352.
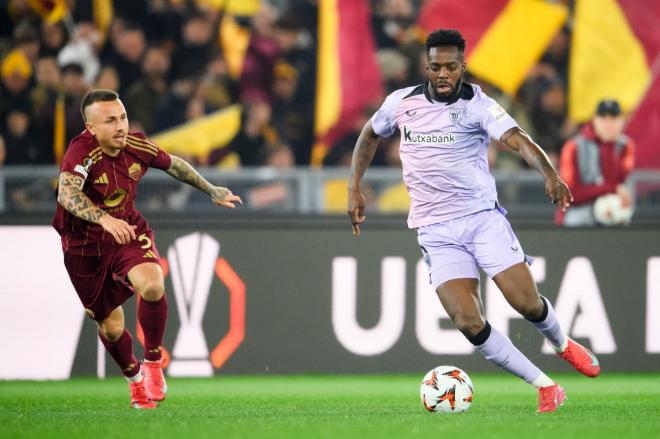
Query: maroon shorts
column 101, row 281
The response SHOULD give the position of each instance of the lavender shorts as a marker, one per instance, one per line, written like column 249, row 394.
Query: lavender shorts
column 455, row 249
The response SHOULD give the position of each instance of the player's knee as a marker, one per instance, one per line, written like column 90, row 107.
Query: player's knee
column 152, row 291
column 469, row 326
column 112, row 331
column 531, row 310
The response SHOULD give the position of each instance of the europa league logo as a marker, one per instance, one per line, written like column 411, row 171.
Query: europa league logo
column 192, row 261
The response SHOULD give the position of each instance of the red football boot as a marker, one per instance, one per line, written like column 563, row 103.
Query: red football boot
column 155, row 380
column 550, row 398
column 139, row 398
column 581, row 358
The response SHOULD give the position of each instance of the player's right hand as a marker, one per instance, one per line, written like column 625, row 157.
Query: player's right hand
column 119, row 229
column 558, row 192
column 356, row 203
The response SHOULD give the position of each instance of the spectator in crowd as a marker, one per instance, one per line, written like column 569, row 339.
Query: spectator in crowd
column 256, row 135
column 48, row 83
column 73, row 89
column 26, row 39
column 551, row 126
column 125, row 54
column 144, row 96
column 172, row 109
column 81, row 50
column 22, row 146
column 53, row 38
column 108, row 79
column 394, row 23
column 217, row 86
column 197, row 47
column 596, row 162
column 292, row 117
column 258, row 67
column 395, row 68
column 15, row 75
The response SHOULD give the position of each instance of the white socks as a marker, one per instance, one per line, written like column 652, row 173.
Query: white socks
column 542, row 381
column 137, row 378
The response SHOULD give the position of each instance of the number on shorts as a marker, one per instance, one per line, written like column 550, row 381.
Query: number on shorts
column 146, row 239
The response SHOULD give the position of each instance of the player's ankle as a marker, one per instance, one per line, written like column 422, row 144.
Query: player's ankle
column 560, row 349
column 137, row 378
column 543, row 381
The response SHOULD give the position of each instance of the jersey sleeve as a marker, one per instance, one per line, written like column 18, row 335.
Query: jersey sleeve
column 493, row 118
column 157, row 158
column 161, row 161
column 383, row 121
column 77, row 161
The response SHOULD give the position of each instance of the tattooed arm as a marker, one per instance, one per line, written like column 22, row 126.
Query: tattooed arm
column 555, row 188
column 71, row 197
column 183, row 171
column 364, row 151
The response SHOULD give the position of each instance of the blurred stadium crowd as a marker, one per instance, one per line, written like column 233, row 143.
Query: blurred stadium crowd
column 172, row 62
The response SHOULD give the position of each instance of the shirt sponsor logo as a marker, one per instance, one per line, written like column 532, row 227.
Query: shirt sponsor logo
column 115, row 198
column 409, row 136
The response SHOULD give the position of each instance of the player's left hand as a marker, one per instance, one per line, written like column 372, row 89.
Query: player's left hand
column 557, row 190
column 356, row 202
column 223, row 197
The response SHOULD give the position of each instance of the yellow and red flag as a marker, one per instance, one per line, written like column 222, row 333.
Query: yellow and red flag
column 51, row 11
column 348, row 77
column 505, row 38
column 615, row 53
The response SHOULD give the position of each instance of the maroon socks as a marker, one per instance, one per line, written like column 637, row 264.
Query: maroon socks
column 152, row 317
column 122, row 352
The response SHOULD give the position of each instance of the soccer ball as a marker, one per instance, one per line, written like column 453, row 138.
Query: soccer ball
column 610, row 211
column 446, row 389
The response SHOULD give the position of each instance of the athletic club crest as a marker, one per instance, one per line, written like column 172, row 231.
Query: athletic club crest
column 135, row 171
column 456, row 116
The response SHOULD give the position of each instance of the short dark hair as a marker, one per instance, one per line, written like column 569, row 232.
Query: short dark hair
column 445, row 37
column 72, row 67
column 100, row 95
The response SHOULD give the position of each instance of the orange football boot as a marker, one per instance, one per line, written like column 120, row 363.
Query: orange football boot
column 139, row 397
column 581, row 358
column 550, row 398
column 155, row 380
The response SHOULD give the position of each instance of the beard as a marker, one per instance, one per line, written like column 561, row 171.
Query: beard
column 454, row 92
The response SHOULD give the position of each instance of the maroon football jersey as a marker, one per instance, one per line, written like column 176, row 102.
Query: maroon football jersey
column 111, row 184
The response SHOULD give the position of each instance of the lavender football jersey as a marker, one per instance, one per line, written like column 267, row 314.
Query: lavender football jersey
column 444, row 150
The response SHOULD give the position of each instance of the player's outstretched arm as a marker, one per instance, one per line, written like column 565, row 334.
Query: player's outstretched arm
column 183, row 171
column 364, row 151
column 73, row 199
column 555, row 187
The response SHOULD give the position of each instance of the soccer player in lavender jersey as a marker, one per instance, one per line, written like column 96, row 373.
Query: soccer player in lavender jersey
column 109, row 249
column 445, row 127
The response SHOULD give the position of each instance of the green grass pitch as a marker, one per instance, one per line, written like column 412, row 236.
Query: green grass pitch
column 311, row 406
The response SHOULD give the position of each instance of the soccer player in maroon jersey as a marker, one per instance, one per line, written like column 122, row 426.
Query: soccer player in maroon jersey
column 109, row 249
